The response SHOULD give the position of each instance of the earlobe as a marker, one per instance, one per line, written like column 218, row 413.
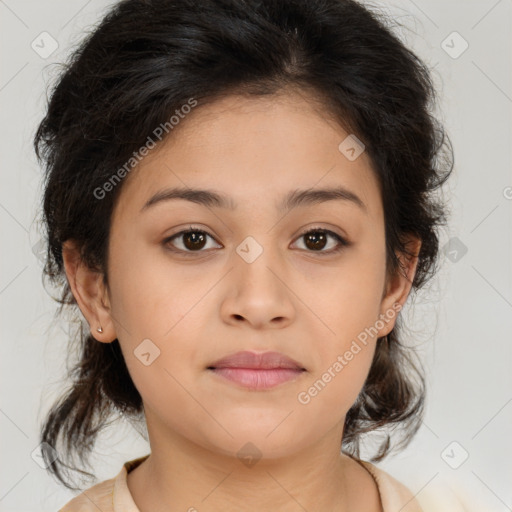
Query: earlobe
column 399, row 285
column 88, row 288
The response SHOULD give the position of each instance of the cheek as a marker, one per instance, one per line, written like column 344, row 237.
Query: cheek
column 336, row 383
column 344, row 302
column 157, row 313
column 345, row 333
column 151, row 297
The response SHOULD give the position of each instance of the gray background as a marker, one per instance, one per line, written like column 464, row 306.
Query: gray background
column 462, row 324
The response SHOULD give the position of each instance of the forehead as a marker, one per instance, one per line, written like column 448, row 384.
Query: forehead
column 255, row 150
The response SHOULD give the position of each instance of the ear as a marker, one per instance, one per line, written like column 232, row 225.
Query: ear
column 399, row 285
column 90, row 292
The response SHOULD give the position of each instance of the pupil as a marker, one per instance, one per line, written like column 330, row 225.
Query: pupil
column 196, row 238
column 314, row 238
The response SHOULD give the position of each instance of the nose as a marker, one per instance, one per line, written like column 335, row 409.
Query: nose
column 259, row 293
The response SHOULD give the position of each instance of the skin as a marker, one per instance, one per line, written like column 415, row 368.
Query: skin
column 292, row 299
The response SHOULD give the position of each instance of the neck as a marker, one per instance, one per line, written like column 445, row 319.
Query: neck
column 183, row 476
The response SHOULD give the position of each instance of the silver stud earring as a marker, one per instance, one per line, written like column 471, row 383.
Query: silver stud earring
column 99, row 329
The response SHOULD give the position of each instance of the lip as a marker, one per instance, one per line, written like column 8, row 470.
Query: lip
column 257, row 371
column 258, row 361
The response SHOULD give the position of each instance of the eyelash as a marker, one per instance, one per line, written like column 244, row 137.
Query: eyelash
column 343, row 243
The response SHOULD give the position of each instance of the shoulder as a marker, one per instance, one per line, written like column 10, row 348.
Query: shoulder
column 394, row 495
column 98, row 497
column 110, row 495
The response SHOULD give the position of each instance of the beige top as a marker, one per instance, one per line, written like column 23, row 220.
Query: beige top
column 113, row 495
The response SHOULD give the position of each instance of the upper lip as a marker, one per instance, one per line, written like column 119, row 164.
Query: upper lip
column 261, row 361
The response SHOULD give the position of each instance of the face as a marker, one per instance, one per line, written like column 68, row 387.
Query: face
column 304, row 277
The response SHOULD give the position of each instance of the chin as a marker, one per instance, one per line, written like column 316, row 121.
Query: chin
column 258, row 441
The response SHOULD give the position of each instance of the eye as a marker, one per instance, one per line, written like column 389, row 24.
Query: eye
column 194, row 240
column 190, row 240
column 316, row 239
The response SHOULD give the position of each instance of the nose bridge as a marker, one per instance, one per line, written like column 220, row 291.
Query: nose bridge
column 257, row 261
column 258, row 292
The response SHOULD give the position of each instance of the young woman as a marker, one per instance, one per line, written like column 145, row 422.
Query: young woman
column 240, row 197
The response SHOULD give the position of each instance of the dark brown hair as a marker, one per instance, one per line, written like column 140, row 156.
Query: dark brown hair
column 144, row 61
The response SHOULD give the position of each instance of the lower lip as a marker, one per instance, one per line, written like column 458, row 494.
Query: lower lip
column 258, row 379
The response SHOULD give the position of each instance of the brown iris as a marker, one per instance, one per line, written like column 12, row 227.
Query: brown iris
column 194, row 240
column 315, row 240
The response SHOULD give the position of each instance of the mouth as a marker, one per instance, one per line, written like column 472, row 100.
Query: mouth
column 257, row 371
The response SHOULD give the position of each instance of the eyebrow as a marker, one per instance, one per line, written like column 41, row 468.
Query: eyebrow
column 293, row 199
